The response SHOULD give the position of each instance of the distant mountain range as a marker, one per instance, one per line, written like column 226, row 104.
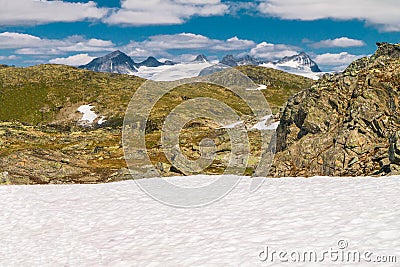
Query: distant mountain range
column 300, row 62
column 118, row 62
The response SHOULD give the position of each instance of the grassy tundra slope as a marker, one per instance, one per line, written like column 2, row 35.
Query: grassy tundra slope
column 42, row 141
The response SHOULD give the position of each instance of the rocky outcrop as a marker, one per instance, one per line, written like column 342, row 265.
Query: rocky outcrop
column 394, row 149
column 347, row 124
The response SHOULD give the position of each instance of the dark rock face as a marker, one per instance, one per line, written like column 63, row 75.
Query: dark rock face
column 247, row 60
column 394, row 149
column 347, row 124
column 150, row 62
column 169, row 62
column 229, row 60
column 201, row 58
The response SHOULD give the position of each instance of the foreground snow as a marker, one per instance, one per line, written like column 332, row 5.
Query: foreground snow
column 119, row 225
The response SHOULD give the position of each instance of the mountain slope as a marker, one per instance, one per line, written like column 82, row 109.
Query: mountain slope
column 115, row 62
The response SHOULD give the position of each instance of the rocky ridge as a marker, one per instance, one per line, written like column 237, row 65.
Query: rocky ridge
column 347, row 124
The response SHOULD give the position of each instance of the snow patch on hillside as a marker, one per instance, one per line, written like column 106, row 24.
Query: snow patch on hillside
column 267, row 123
column 260, row 87
column 88, row 115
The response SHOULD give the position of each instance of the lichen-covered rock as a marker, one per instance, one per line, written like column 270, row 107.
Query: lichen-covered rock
column 342, row 126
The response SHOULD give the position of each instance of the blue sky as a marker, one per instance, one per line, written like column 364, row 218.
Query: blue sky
column 333, row 33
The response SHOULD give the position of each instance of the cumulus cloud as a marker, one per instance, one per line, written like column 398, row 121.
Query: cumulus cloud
column 340, row 59
column 28, row 12
column 10, row 57
column 270, row 51
column 158, row 12
column 338, row 42
column 75, row 60
column 383, row 14
column 161, row 45
column 27, row 44
column 16, row 40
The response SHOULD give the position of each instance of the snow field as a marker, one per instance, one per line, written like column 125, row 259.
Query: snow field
column 119, row 225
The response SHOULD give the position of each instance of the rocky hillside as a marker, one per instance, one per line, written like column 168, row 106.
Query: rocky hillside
column 347, row 124
column 42, row 139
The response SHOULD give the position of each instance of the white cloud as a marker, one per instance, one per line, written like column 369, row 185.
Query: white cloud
column 383, row 14
column 339, row 59
column 28, row 12
column 11, row 57
column 157, row 12
column 16, row 40
column 75, row 60
column 160, row 45
column 338, row 42
column 269, row 51
column 27, row 44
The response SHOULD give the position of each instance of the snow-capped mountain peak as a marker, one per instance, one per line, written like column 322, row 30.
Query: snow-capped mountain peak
column 301, row 62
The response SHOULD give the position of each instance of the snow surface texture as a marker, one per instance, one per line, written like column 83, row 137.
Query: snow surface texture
column 119, row 225
column 172, row 73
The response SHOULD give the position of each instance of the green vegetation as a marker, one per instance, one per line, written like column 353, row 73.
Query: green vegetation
column 37, row 95
column 281, row 85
